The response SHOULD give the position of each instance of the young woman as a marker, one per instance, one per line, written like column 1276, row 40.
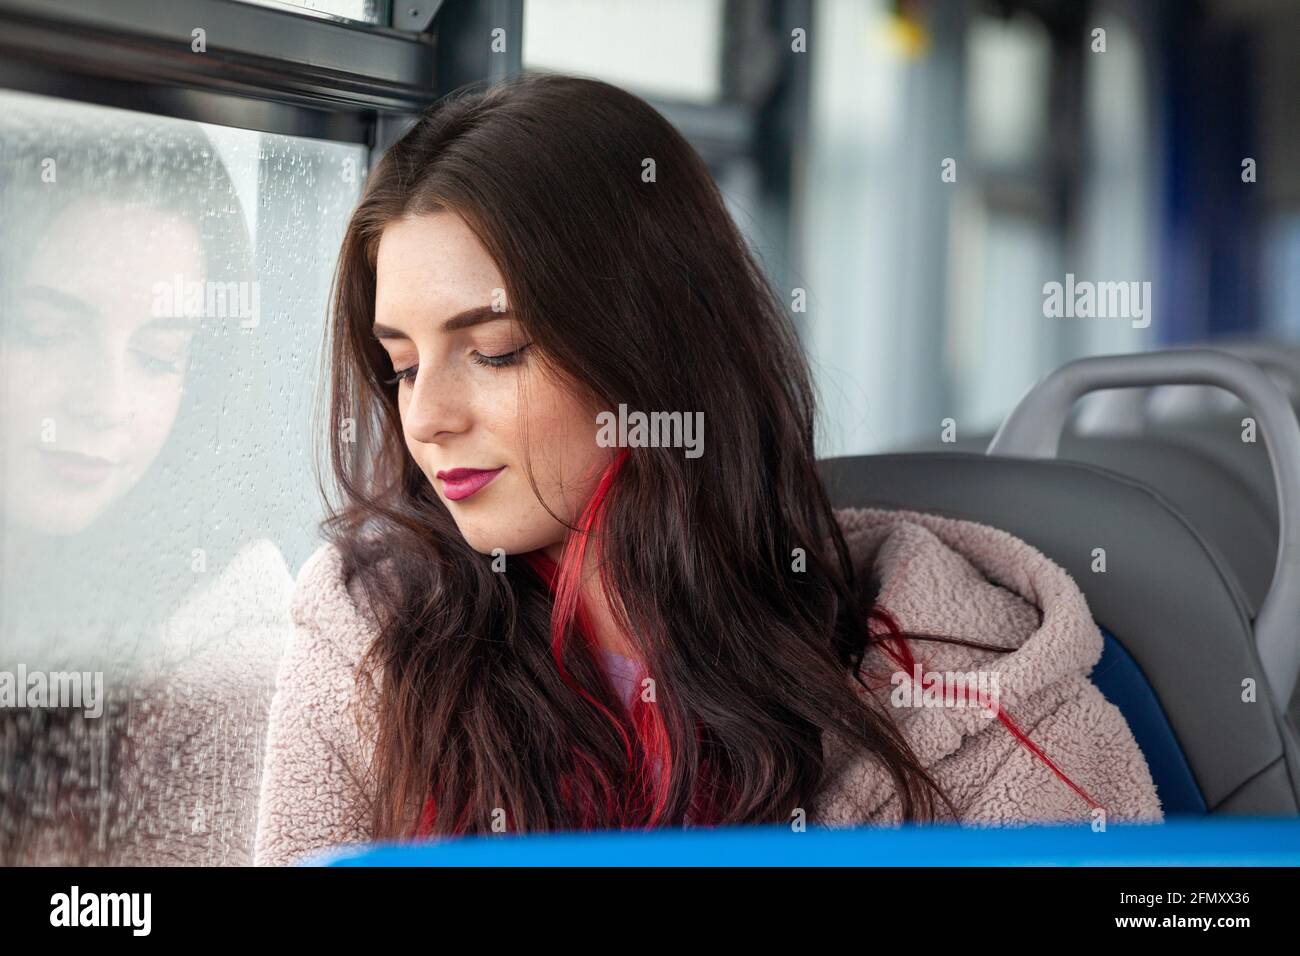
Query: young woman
column 527, row 620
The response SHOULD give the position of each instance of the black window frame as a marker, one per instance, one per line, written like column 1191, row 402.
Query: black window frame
column 266, row 69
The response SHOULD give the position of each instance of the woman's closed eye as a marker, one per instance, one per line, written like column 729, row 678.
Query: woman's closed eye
column 403, row 375
column 503, row 360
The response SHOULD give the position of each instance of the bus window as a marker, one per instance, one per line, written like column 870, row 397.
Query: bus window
column 164, row 287
column 363, row 11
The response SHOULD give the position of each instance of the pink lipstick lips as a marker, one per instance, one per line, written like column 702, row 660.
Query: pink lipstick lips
column 460, row 483
column 78, row 468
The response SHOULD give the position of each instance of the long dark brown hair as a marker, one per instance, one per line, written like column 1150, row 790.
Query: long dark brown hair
column 640, row 290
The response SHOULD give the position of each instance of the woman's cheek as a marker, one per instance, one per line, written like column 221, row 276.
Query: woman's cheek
column 157, row 403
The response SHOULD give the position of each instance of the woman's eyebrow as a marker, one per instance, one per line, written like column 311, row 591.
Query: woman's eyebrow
column 59, row 300
column 482, row 313
column 461, row 320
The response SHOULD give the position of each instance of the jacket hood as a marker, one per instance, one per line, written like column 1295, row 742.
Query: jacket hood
column 960, row 579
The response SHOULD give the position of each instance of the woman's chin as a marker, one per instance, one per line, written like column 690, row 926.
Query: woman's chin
column 486, row 542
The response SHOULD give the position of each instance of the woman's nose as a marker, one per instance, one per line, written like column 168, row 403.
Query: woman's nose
column 100, row 391
column 438, row 407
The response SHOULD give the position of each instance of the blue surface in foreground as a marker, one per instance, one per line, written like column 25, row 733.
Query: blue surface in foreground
column 1193, row 842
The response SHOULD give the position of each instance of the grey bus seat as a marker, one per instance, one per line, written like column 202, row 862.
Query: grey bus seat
column 1194, row 420
column 1230, row 514
column 1167, row 596
column 1219, row 438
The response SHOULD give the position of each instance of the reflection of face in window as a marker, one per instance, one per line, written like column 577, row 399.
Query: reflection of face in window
column 130, row 382
column 94, row 375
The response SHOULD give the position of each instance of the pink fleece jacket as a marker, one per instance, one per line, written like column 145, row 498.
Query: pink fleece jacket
column 938, row 575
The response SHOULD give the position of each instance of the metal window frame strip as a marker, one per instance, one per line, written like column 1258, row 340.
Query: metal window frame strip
column 265, row 68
